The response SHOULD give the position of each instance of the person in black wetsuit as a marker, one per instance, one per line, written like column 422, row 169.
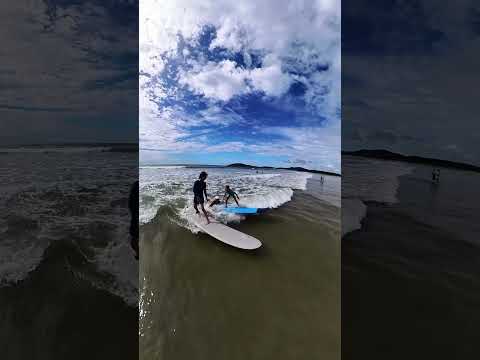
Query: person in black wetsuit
column 133, row 206
column 230, row 193
column 200, row 189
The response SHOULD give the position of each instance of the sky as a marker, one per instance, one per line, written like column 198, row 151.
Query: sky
column 240, row 81
column 408, row 77
column 69, row 71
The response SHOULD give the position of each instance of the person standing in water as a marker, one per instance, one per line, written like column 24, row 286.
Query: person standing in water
column 436, row 175
column 200, row 189
column 230, row 193
column 133, row 206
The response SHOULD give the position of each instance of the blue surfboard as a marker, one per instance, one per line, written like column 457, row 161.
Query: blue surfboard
column 241, row 210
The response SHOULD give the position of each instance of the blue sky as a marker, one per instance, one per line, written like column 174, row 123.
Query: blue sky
column 229, row 81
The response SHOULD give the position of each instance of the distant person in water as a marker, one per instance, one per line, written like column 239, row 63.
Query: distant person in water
column 230, row 193
column 436, row 175
column 133, row 206
column 200, row 189
column 321, row 179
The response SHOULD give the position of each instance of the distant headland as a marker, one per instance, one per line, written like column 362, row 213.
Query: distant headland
column 246, row 166
column 389, row 155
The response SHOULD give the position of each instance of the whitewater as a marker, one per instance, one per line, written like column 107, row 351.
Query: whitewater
column 164, row 186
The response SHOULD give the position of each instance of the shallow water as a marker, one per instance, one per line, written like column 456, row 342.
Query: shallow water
column 366, row 180
column 68, row 278
column 76, row 194
column 412, row 262
column 201, row 299
column 172, row 186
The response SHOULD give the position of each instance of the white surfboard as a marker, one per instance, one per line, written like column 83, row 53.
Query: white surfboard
column 226, row 234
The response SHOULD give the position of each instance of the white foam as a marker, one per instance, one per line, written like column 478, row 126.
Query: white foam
column 17, row 260
column 353, row 212
column 372, row 180
column 162, row 167
column 173, row 187
column 117, row 259
column 367, row 180
column 71, row 197
column 272, row 199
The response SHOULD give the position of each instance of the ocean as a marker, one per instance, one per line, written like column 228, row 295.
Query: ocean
column 410, row 260
column 202, row 299
column 66, row 267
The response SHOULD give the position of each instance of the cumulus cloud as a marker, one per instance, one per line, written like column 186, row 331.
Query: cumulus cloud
column 224, row 80
column 200, row 60
column 273, row 29
column 217, row 81
column 270, row 80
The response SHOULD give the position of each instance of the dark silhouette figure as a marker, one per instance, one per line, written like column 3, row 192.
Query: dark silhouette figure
column 133, row 206
column 200, row 189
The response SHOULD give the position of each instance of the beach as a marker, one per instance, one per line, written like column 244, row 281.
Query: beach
column 202, row 299
column 412, row 265
column 68, row 278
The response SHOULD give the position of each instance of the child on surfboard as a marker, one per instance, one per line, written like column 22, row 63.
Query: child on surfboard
column 230, row 193
column 199, row 189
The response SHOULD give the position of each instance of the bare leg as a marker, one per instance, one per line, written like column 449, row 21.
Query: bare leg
column 205, row 212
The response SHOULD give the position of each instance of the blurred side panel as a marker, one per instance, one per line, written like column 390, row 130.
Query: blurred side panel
column 68, row 167
column 410, row 165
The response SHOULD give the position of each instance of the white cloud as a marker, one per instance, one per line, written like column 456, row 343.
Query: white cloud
column 274, row 28
column 271, row 80
column 320, row 145
column 63, row 62
column 281, row 41
column 224, row 80
column 217, row 81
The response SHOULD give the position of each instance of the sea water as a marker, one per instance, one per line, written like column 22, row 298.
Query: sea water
column 74, row 194
column 172, row 186
column 202, row 299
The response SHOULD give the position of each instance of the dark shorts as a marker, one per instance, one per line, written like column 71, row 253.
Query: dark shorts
column 198, row 199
